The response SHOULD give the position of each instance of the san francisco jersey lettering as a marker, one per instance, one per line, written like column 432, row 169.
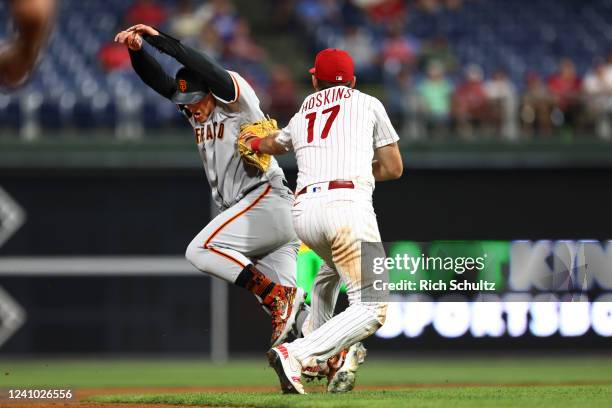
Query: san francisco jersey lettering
column 212, row 131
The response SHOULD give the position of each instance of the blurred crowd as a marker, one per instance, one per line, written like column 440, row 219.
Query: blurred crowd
column 472, row 106
column 217, row 28
column 428, row 91
column 214, row 27
column 431, row 93
column 445, row 69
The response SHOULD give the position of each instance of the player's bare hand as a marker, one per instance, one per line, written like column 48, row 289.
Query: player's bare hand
column 131, row 39
column 143, row 29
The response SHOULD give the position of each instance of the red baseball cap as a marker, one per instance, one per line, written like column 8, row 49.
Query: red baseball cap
column 333, row 65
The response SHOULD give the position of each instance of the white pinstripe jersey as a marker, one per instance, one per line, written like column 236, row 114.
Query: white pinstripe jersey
column 334, row 135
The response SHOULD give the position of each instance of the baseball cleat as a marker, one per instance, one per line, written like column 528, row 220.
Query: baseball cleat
column 287, row 368
column 283, row 311
column 342, row 371
column 311, row 374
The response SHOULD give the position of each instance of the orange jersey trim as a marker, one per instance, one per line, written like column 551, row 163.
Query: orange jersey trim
column 237, row 88
column 228, row 257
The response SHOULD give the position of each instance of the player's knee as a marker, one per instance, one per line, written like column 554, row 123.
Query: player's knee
column 190, row 253
column 196, row 255
column 381, row 313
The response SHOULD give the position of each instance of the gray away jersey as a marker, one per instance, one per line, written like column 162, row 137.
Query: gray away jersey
column 230, row 178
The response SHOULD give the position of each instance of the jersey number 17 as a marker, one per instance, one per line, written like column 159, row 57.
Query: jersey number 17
column 312, row 116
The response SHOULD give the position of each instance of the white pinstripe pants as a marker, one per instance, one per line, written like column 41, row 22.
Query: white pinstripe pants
column 334, row 223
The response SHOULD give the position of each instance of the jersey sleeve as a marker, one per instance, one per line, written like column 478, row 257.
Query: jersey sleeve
column 245, row 98
column 284, row 136
column 384, row 133
column 217, row 78
column 237, row 88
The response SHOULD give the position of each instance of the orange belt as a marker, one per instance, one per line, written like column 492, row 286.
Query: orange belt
column 331, row 186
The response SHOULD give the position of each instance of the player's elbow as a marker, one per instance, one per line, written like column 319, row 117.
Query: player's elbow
column 396, row 170
column 390, row 163
column 191, row 253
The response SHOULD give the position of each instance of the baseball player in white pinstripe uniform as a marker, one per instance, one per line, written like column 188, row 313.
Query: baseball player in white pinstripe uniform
column 344, row 141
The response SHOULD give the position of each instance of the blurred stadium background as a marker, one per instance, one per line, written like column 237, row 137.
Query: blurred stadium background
column 505, row 115
column 448, row 70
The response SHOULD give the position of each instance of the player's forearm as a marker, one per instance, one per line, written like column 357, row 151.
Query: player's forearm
column 10, row 72
column 217, row 78
column 151, row 73
column 33, row 21
column 269, row 145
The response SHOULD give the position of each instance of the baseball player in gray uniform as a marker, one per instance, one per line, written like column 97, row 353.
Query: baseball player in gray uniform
column 251, row 243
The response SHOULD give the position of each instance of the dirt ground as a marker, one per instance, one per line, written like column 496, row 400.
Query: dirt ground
column 82, row 394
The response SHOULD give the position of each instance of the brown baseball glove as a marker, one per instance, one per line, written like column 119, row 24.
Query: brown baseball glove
column 248, row 131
